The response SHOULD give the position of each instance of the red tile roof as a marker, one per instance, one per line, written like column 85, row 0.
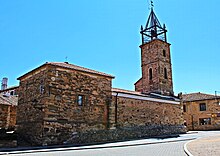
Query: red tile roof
column 70, row 66
column 3, row 101
column 8, row 100
column 198, row 96
column 75, row 67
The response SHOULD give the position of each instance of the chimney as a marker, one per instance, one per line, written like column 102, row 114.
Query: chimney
column 4, row 83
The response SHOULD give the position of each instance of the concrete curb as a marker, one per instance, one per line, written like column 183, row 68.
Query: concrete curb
column 87, row 148
column 186, row 150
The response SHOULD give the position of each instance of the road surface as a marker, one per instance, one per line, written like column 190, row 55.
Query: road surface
column 144, row 147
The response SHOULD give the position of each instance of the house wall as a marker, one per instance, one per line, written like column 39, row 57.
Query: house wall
column 31, row 107
column 55, row 111
column 63, row 116
column 13, row 114
column 4, row 109
column 193, row 115
column 7, row 116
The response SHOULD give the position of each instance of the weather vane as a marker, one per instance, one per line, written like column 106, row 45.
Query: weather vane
column 151, row 4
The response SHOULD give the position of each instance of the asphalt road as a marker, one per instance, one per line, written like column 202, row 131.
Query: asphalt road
column 160, row 149
column 145, row 147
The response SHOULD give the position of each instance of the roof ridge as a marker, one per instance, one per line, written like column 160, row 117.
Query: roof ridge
column 67, row 65
column 199, row 96
column 125, row 90
column 121, row 89
column 199, row 93
column 6, row 101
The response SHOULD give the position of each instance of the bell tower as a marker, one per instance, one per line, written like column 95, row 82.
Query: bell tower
column 155, row 59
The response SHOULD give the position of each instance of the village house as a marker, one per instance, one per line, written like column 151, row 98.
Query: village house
column 8, row 106
column 63, row 103
column 201, row 111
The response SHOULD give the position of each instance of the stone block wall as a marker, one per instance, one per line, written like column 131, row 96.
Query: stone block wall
column 139, row 85
column 136, row 112
column 48, row 104
column 13, row 114
column 125, row 134
column 132, row 118
column 63, row 116
column 155, row 55
column 49, row 112
column 31, row 107
column 4, row 109
column 7, row 116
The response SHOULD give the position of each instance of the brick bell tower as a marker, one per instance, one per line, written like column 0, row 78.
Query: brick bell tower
column 155, row 59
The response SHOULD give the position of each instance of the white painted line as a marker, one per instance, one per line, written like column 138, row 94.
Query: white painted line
column 186, row 150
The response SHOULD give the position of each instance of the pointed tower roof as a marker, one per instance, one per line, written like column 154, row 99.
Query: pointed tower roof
column 153, row 29
column 152, row 20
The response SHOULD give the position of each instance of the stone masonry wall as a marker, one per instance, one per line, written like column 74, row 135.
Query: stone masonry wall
column 3, row 115
column 134, row 112
column 135, row 119
column 7, row 116
column 13, row 114
column 139, row 85
column 152, row 56
column 63, row 116
column 124, row 134
column 30, row 111
column 48, row 112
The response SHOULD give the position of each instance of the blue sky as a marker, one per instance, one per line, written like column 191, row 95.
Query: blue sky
column 104, row 35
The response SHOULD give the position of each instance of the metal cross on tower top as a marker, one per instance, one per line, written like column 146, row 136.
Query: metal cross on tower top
column 151, row 4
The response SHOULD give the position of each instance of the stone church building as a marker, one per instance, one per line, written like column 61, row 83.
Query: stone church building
column 62, row 103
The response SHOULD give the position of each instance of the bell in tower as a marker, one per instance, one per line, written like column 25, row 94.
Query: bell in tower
column 155, row 59
column 153, row 29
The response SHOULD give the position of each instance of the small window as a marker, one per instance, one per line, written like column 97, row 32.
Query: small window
column 185, row 123
column 164, row 53
column 202, row 107
column 80, row 100
column 41, row 89
column 205, row 121
column 49, row 90
column 150, row 74
column 165, row 73
column 12, row 93
column 184, row 108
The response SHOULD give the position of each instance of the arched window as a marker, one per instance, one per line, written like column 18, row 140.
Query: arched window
column 165, row 73
column 164, row 53
column 150, row 74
